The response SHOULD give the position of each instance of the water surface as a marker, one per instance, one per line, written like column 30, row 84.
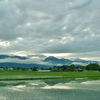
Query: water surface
column 55, row 89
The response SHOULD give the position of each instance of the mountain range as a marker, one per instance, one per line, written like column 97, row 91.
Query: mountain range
column 56, row 61
column 50, row 62
column 22, row 65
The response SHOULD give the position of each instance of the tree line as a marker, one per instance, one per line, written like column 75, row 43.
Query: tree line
column 72, row 67
column 69, row 68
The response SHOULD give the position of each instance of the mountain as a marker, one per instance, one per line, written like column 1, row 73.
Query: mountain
column 10, row 65
column 55, row 61
column 52, row 61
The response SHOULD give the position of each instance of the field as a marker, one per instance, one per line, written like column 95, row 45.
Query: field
column 30, row 75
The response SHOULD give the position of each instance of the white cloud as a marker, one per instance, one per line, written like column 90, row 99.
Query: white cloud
column 50, row 26
column 4, row 43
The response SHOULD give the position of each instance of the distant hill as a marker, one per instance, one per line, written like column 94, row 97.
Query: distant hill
column 10, row 65
column 55, row 61
column 52, row 61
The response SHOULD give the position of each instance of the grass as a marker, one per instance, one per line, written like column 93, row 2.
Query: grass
column 49, row 75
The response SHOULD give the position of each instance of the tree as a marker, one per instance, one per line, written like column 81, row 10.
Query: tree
column 63, row 67
column 93, row 66
column 72, row 67
column 50, row 68
column 34, row 69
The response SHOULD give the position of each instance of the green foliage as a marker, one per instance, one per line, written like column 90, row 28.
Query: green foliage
column 93, row 67
column 34, row 69
column 64, row 67
column 72, row 67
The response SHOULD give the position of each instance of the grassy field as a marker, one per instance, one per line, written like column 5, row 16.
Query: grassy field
column 49, row 75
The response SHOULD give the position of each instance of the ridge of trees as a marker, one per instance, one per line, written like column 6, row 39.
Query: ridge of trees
column 72, row 67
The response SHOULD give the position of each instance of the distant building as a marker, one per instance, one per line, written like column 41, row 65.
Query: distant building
column 1, row 68
column 80, row 70
column 44, row 70
column 10, row 68
column 29, row 69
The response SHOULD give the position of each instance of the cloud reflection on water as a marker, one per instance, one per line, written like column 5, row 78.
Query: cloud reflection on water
column 58, row 89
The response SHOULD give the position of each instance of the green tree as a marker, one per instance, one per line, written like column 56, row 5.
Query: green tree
column 93, row 66
column 63, row 67
column 72, row 67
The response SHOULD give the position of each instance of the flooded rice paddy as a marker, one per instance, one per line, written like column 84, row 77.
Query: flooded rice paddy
column 51, row 89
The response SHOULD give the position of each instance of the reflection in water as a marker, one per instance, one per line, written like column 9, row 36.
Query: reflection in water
column 24, row 76
column 7, row 83
column 56, row 89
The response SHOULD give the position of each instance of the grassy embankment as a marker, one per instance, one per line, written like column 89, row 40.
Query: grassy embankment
column 47, row 75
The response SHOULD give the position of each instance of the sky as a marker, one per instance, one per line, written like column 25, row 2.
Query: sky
column 36, row 29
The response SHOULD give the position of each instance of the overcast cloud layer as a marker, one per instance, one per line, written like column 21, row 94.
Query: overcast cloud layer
column 62, row 28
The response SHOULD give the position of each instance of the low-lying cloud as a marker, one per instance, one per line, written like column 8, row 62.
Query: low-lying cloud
column 7, row 56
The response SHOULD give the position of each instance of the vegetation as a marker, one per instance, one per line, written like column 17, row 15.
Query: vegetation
column 73, row 68
column 65, row 68
column 49, row 75
column 93, row 67
column 90, row 71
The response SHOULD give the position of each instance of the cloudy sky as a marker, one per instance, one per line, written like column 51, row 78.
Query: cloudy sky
column 40, row 28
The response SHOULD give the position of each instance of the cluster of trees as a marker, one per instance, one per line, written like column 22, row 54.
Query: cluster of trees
column 93, row 67
column 19, row 68
column 72, row 67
